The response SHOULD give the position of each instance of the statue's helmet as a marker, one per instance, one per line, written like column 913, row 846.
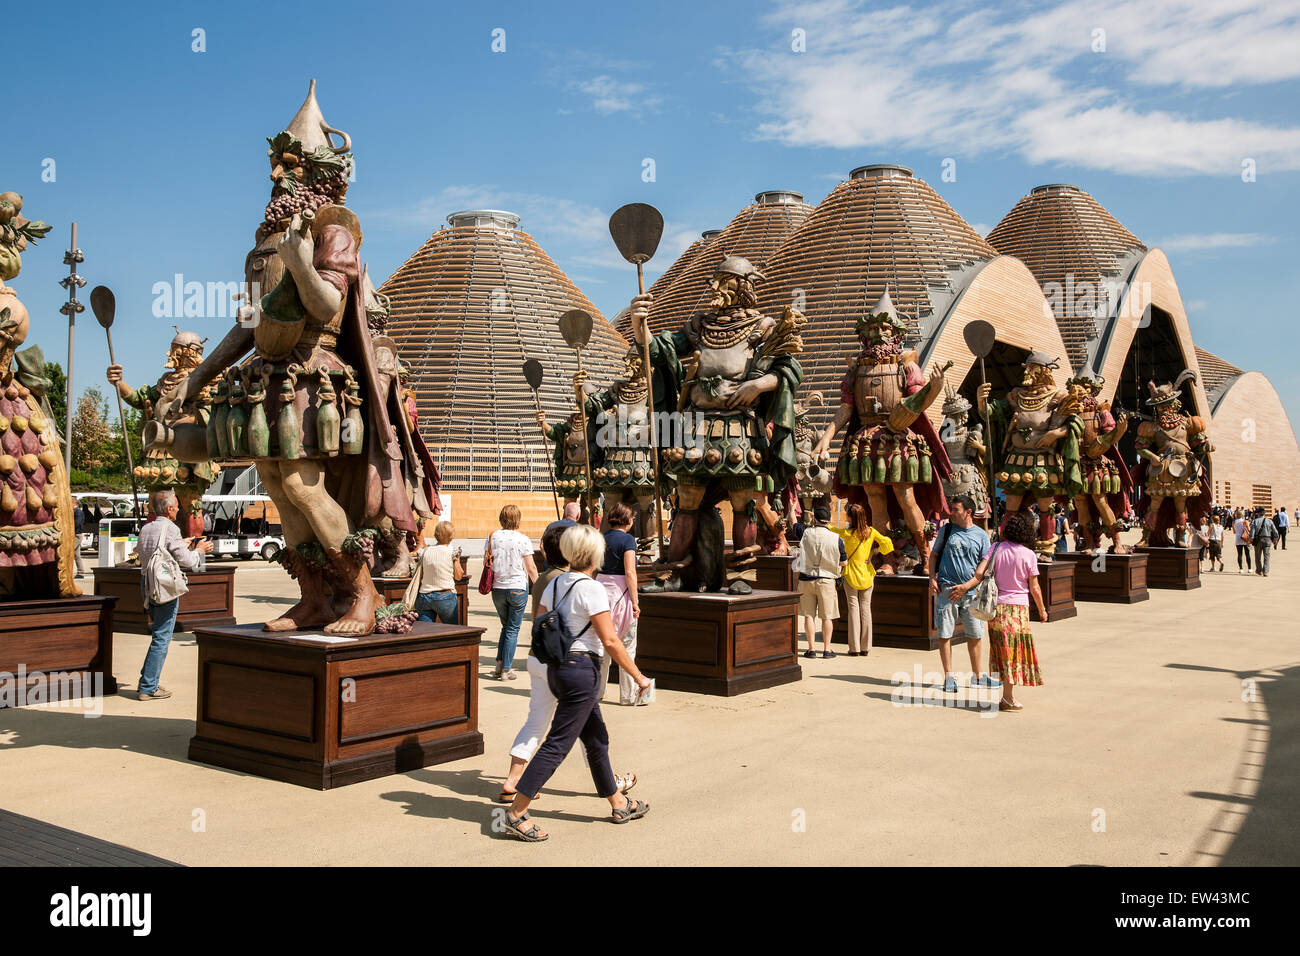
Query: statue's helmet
column 187, row 340
column 1169, row 393
column 882, row 317
column 955, row 403
column 739, row 266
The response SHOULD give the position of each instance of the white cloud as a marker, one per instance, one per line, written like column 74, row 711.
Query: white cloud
column 609, row 95
column 1205, row 241
column 968, row 81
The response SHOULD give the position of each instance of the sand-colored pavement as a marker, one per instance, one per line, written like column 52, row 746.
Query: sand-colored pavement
column 1165, row 734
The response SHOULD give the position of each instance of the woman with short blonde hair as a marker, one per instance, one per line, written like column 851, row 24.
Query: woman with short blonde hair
column 576, row 684
column 440, row 569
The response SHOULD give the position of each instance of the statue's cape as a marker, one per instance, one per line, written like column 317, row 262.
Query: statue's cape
column 929, row 497
column 389, row 465
column 29, row 369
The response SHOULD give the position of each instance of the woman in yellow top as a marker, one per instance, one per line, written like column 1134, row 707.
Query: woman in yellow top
column 860, row 542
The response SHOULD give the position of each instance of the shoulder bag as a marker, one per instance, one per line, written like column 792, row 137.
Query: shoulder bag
column 164, row 581
column 485, row 579
column 551, row 637
column 985, row 605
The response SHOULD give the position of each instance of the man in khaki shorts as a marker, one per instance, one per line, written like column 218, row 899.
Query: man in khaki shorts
column 819, row 562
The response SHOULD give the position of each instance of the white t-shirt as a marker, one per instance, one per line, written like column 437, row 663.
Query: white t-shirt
column 585, row 601
column 1240, row 528
column 508, row 551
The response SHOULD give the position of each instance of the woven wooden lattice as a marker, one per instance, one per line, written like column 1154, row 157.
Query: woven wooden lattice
column 1070, row 242
column 468, row 308
column 880, row 227
column 1215, row 373
column 756, row 233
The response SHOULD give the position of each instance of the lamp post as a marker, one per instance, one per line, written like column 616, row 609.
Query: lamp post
column 72, row 282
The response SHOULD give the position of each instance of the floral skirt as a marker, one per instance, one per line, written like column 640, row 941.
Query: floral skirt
column 1011, row 646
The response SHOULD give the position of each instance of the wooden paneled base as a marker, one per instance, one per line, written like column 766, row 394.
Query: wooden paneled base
column 210, row 601
column 1178, row 569
column 718, row 644
column 324, row 715
column 1056, row 578
column 775, row 572
column 1108, row 578
column 394, row 589
column 70, row 637
column 902, row 614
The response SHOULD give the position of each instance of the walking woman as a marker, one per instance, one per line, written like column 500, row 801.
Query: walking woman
column 860, row 542
column 510, row 555
column 1241, row 528
column 618, row 577
column 1011, row 644
column 575, row 682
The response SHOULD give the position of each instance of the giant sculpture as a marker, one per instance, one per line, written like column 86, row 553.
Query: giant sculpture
column 1103, row 499
column 1037, row 428
column 161, row 470
column 576, row 452
column 815, row 482
column 318, row 405
column 735, row 435
column 38, row 542
column 891, row 461
column 1175, row 469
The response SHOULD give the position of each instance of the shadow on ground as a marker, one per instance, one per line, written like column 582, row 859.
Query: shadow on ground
column 1257, row 822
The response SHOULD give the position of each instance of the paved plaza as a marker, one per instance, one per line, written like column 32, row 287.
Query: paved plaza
column 1165, row 735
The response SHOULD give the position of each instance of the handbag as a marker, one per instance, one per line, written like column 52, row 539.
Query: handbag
column 551, row 637
column 485, row 579
column 164, row 581
column 985, row 605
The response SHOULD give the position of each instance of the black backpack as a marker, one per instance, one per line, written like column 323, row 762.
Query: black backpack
column 551, row 637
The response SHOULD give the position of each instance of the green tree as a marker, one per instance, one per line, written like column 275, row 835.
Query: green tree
column 57, row 394
column 91, row 436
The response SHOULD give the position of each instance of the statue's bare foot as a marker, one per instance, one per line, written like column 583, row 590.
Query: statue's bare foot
column 311, row 612
column 746, row 551
column 360, row 619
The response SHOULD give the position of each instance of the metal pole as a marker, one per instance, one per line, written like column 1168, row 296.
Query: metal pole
column 988, row 458
column 550, row 468
column 72, row 282
column 650, row 415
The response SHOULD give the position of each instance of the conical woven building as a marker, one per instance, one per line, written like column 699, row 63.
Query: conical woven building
column 467, row 309
column 756, row 233
column 884, row 228
column 667, row 278
column 1121, row 315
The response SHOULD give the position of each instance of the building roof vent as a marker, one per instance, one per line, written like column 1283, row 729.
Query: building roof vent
column 882, row 170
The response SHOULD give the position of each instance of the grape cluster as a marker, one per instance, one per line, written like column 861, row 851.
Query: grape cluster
column 326, row 190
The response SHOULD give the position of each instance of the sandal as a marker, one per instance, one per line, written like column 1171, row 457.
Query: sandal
column 532, row 835
column 634, row 810
column 508, row 796
column 1012, row 706
column 625, row 782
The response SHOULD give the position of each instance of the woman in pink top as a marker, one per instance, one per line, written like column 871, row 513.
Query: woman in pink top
column 1011, row 643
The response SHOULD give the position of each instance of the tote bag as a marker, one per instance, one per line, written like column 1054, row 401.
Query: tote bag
column 486, row 579
column 985, row 605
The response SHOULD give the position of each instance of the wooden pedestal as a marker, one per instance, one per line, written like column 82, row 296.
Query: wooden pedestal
column 718, row 644
column 902, row 614
column 1178, row 569
column 326, row 715
column 210, row 601
column 775, row 572
column 1056, row 578
column 394, row 590
column 72, row 637
column 1109, row 578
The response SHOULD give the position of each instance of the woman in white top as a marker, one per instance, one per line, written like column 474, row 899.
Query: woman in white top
column 576, row 685
column 1241, row 528
column 440, row 569
column 513, row 572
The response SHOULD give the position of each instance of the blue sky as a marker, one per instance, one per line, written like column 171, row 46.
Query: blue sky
column 159, row 151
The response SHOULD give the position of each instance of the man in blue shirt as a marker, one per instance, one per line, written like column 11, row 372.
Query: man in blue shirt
column 1283, row 522
column 955, row 560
